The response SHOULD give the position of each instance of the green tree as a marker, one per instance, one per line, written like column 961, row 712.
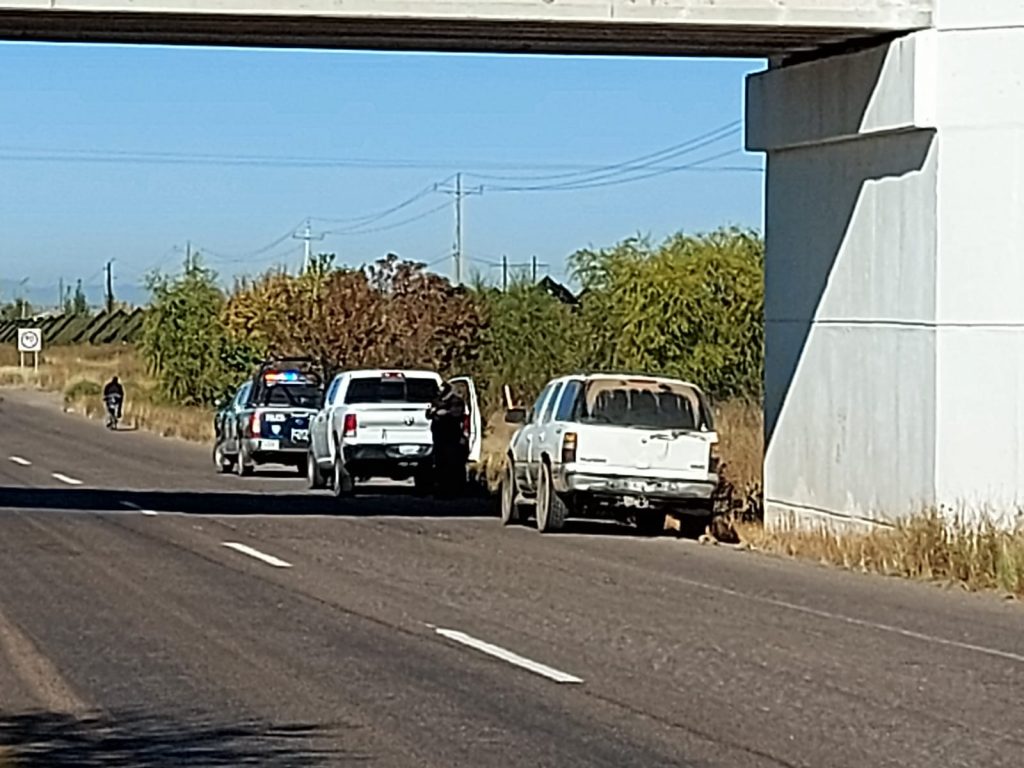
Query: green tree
column 692, row 307
column 184, row 339
column 530, row 337
column 78, row 304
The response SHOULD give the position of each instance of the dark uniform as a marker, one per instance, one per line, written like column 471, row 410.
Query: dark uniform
column 113, row 389
column 447, row 414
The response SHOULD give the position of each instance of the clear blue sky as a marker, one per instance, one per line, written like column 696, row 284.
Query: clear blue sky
column 79, row 125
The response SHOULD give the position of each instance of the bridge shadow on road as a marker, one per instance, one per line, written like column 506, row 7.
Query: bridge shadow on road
column 52, row 740
column 376, row 502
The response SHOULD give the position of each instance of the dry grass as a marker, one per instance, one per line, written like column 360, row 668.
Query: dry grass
column 78, row 373
column 927, row 547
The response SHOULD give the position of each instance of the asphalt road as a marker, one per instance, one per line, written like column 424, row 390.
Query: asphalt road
column 153, row 613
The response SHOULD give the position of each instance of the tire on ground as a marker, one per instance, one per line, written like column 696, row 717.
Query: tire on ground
column 551, row 508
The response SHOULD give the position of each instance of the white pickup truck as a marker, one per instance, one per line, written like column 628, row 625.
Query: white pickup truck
column 373, row 423
column 616, row 446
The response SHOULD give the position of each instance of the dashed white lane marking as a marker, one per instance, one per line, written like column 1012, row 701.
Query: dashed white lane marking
column 508, row 656
column 20, row 461
column 137, row 508
column 268, row 559
column 66, row 479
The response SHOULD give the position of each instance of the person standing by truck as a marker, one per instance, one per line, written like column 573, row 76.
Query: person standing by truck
column 447, row 415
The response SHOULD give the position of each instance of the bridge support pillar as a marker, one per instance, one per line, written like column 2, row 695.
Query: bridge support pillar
column 895, row 274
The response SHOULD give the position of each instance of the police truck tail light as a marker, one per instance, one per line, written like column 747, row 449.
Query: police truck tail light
column 350, row 427
column 466, row 425
column 714, row 459
column 569, row 448
column 254, row 424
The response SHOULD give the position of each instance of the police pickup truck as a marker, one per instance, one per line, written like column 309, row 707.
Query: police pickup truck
column 268, row 419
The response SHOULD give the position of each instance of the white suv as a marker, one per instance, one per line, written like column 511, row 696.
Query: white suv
column 608, row 445
column 373, row 423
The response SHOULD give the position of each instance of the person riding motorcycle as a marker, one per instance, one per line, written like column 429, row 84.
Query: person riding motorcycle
column 113, row 397
column 447, row 414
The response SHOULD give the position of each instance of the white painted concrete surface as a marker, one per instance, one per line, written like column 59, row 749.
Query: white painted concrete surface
column 875, row 14
column 895, row 320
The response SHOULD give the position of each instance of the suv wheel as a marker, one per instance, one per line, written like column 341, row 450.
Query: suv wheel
column 509, row 494
column 551, row 508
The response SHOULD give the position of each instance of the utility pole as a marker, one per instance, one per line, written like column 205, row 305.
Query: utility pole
column 533, row 268
column 460, row 192
column 504, row 274
column 110, row 286
column 60, row 296
column 309, row 237
column 188, row 256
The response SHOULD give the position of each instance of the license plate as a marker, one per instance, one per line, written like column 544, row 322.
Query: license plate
column 300, row 435
column 408, row 450
column 270, row 445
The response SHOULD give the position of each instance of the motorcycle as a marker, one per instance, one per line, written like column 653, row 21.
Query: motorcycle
column 113, row 403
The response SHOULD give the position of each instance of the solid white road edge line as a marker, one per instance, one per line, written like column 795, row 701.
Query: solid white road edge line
column 508, row 656
column 20, row 461
column 65, row 479
column 268, row 559
column 864, row 623
column 137, row 508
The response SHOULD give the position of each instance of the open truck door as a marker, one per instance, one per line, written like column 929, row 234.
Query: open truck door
column 466, row 389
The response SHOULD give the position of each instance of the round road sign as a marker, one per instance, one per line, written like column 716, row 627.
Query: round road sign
column 30, row 340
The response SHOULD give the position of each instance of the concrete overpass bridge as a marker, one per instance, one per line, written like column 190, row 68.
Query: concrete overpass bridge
column 894, row 134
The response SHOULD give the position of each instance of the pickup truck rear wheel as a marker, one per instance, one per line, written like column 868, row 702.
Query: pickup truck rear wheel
column 509, row 495
column 341, row 484
column 551, row 508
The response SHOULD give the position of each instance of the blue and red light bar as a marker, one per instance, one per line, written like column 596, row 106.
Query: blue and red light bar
column 283, row 377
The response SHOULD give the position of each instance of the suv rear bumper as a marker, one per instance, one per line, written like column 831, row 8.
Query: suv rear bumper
column 651, row 488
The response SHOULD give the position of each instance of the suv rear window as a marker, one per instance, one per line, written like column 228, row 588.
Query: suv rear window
column 412, row 389
column 644, row 404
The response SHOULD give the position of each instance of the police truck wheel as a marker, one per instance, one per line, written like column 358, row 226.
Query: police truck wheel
column 242, row 467
column 314, row 475
column 222, row 465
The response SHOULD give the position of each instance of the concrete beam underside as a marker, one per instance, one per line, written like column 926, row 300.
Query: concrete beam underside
column 736, row 28
column 894, row 325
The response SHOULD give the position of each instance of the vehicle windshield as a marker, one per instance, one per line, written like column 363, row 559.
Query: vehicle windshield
column 643, row 403
column 408, row 389
column 289, row 395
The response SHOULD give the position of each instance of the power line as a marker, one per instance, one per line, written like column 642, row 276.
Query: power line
column 36, row 154
column 359, row 221
column 596, row 184
column 661, row 155
column 258, row 251
column 624, row 170
column 386, row 227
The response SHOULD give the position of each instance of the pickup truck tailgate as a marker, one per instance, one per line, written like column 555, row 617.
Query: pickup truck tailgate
column 288, row 425
column 680, row 454
column 391, row 424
